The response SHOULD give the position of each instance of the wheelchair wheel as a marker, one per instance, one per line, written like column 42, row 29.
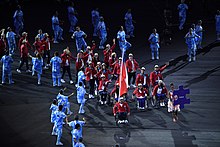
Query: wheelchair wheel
column 153, row 101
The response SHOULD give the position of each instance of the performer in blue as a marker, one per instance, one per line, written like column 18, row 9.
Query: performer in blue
column 102, row 32
column 58, row 31
column 80, row 144
column 199, row 31
column 64, row 101
column 18, row 20
column 58, row 125
column 76, row 135
column 76, row 121
column 154, row 44
column 56, row 63
column 6, row 68
column 72, row 17
column 40, row 34
column 95, row 20
column 191, row 43
column 217, row 20
column 81, row 91
column 123, row 43
column 53, row 108
column 80, row 41
column 81, row 78
column 129, row 24
column 37, row 63
column 182, row 13
column 10, row 36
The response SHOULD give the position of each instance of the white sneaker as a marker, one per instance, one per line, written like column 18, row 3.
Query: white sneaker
column 161, row 104
column 59, row 143
column 126, row 121
column 62, row 81
column 96, row 92
column 105, row 102
column 101, row 102
column 38, row 83
column 45, row 67
column 53, row 134
column 92, row 96
column 55, row 42
column 71, row 82
column 194, row 58
column 18, row 70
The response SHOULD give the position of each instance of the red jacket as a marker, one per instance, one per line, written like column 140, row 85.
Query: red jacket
column 103, row 85
column 129, row 65
column 24, row 50
column 108, row 53
column 158, row 89
column 38, row 46
column 46, row 43
column 20, row 43
column 116, row 69
column 140, row 93
column 90, row 72
column 65, row 59
column 121, row 108
column 79, row 64
column 106, row 73
column 2, row 47
column 112, row 63
column 155, row 76
column 143, row 78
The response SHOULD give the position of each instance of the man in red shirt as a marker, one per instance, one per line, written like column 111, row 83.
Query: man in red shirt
column 90, row 77
column 156, row 75
column 143, row 79
column 132, row 67
column 121, row 110
column 141, row 94
column 24, row 56
column 103, row 84
column 108, row 51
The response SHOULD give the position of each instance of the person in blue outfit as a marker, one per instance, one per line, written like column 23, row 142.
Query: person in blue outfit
column 6, row 68
column 199, row 31
column 72, row 17
column 53, row 108
column 58, row 31
column 191, row 43
column 58, row 124
column 10, row 36
column 18, row 20
column 56, row 64
column 81, row 91
column 80, row 39
column 37, row 64
column 64, row 101
column 76, row 135
column 40, row 34
column 217, row 23
column 154, row 44
column 129, row 24
column 95, row 20
column 123, row 43
column 80, row 144
column 76, row 121
column 182, row 8
column 81, row 78
column 102, row 32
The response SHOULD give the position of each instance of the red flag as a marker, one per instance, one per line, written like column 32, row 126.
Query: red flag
column 123, row 78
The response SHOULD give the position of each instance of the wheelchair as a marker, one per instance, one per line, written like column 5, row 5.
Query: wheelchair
column 159, row 101
column 121, row 118
column 104, row 98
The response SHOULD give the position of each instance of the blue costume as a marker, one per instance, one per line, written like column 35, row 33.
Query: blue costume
column 72, row 18
column 18, row 21
column 79, row 144
column 182, row 14
column 53, row 109
column 6, row 68
column 95, row 21
column 81, row 77
column 217, row 19
column 154, row 45
column 80, row 41
column 80, row 98
column 41, row 36
column 56, row 76
column 199, row 31
column 58, row 125
column 37, row 66
column 191, row 43
column 123, row 43
column 10, row 36
column 58, row 31
column 129, row 25
column 76, row 135
column 73, row 124
column 63, row 100
column 102, row 34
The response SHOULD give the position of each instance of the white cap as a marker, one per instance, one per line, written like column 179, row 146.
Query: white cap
column 102, row 76
column 130, row 55
column 139, row 84
column 96, row 54
column 143, row 68
column 98, row 63
column 120, row 58
column 156, row 66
